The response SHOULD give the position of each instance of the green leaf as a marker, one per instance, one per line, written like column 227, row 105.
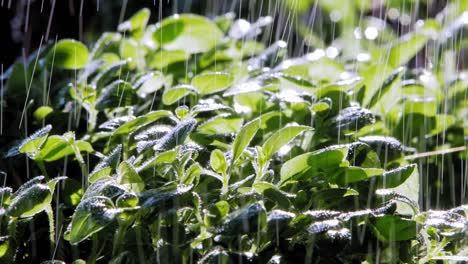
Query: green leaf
column 218, row 161
column 5, row 194
column 223, row 124
column 320, row 70
column 247, row 133
column 129, row 50
column 162, row 201
column 249, row 219
column 390, row 91
column 4, row 245
column 194, row 171
column 106, row 39
column 190, row 33
column 424, row 106
column 177, row 136
column 151, row 83
column 321, row 160
column 52, row 182
column 213, row 82
column 57, row 147
column 141, row 121
column 161, row 158
column 255, row 102
column 272, row 193
column 33, row 143
column 281, row 138
column 108, row 74
column 31, row 201
column 116, row 94
column 216, row 212
column 394, row 178
column 42, row 112
column 127, row 200
column 106, row 165
column 356, row 174
column 105, row 186
column 128, row 176
column 176, row 93
column 208, row 106
column 137, row 22
column 69, row 54
column 393, row 228
column 349, row 120
column 163, row 58
column 91, row 216
column 409, row 45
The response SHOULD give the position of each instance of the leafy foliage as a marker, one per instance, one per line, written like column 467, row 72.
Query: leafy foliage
column 196, row 143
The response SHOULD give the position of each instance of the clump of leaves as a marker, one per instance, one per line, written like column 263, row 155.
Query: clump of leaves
column 213, row 148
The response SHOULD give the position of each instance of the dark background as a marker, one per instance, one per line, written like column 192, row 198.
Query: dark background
column 24, row 23
column 22, row 26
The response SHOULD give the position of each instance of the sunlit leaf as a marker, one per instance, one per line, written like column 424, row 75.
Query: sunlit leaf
column 214, row 82
column 91, row 216
column 69, row 54
column 247, row 133
column 190, row 33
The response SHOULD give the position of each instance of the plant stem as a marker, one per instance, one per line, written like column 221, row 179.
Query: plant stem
column 92, row 120
column 225, row 188
column 79, row 158
column 141, row 253
column 118, row 238
column 43, row 169
column 50, row 215
column 93, row 256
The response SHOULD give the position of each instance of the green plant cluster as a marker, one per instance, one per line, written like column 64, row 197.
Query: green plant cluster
column 190, row 141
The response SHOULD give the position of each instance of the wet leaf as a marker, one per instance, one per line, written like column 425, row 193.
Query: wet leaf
column 250, row 219
column 213, row 82
column 187, row 33
column 128, row 176
column 30, row 201
column 100, row 80
column 57, row 147
column 393, row 228
column 137, row 22
column 69, row 54
column 356, row 174
column 223, row 124
column 247, row 133
column 321, row 160
column 218, row 161
column 33, row 143
column 177, row 136
column 161, row 201
column 164, row 58
column 116, row 94
column 194, row 171
column 106, row 165
column 141, row 121
column 393, row 178
column 91, row 216
column 281, row 138
column 42, row 112
column 176, row 93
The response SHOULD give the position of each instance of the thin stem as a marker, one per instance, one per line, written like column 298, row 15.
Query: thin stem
column 43, row 169
column 94, row 249
column 118, row 238
column 50, row 215
column 141, row 253
column 92, row 120
column 79, row 158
